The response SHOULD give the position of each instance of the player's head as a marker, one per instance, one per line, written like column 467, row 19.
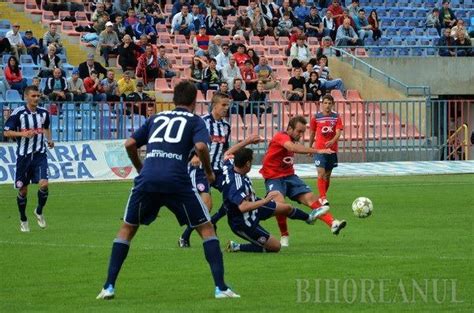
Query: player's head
column 296, row 127
column 327, row 102
column 185, row 95
column 243, row 159
column 220, row 105
column 32, row 96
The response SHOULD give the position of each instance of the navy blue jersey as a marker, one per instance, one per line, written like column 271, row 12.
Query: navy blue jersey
column 236, row 189
column 169, row 137
column 220, row 134
column 22, row 119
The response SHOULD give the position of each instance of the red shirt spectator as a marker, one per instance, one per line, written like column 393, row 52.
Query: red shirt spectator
column 240, row 56
column 341, row 19
column 92, row 84
column 336, row 9
column 12, row 76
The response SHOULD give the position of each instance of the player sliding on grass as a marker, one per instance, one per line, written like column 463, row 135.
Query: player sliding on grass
column 29, row 124
column 279, row 175
column 326, row 127
column 163, row 180
column 245, row 210
column 219, row 130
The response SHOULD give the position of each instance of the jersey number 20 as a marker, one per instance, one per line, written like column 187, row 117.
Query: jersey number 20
column 164, row 129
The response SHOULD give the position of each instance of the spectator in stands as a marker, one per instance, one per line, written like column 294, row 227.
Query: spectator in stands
column 284, row 8
column 75, row 86
column 177, row 7
column 90, row 65
column 301, row 13
column 126, row 85
column 296, row 86
column 17, row 45
column 198, row 17
column 131, row 18
column 215, row 24
column 329, row 25
column 223, row 57
column 265, row 74
column 153, row 9
column 127, row 54
column 201, row 42
column 241, row 56
column 215, row 47
column 314, row 90
column 49, row 62
column 354, row 8
column 51, row 37
column 144, row 28
column 251, row 9
column 313, row 24
column 284, row 26
column 206, row 7
column 224, row 7
column 32, row 45
column 166, row 68
column 224, row 88
column 237, row 40
column 13, row 75
column 109, row 7
column 145, row 105
column 259, row 24
column 249, row 76
column 197, row 74
column 295, row 33
column 141, row 44
column 375, row 22
column 445, row 41
column 336, row 9
column 94, row 88
column 363, row 26
column 243, row 25
column 182, row 22
column 120, row 7
column 346, row 35
column 432, row 20
column 269, row 11
column 56, row 87
column 299, row 53
column 324, row 48
column 253, row 57
column 212, row 76
column 446, row 15
column 231, row 72
column 55, row 6
column 99, row 18
column 147, row 67
column 110, row 87
column 108, row 42
column 36, row 81
column 340, row 19
column 309, row 69
column 5, row 45
column 327, row 82
column 464, row 46
column 258, row 101
column 459, row 28
column 139, row 95
column 239, row 98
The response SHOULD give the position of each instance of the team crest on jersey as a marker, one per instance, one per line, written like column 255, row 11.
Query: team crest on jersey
column 118, row 161
column 19, row 184
column 200, row 187
column 262, row 240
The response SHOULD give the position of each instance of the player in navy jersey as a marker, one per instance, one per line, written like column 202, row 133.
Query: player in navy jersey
column 163, row 180
column 29, row 124
column 245, row 210
column 219, row 130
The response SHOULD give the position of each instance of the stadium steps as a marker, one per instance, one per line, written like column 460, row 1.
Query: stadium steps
column 15, row 14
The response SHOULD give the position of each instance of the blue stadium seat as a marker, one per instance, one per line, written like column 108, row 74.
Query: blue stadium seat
column 400, row 22
column 424, row 41
column 391, row 31
column 386, row 22
column 419, row 31
column 413, row 23
column 26, row 60
column 30, row 71
column 408, row 12
column 405, row 31
column 397, row 41
column 13, row 95
column 384, row 41
column 5, row 25
column 388, row 52
column 430, row 3
column 417, row 52
column 431, row 52
column 433, row 32
column 403, row 52
column 369, row 42
column 411, row 41
column 421, row 13
column 418, row 3
column 395, row 12
column 5, row 58
column 55, row 133
column 390, row 3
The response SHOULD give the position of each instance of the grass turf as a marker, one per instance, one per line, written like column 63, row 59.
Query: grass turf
column 419, row 234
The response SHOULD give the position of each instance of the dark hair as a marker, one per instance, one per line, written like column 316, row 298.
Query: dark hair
column 15, row 68
column 237, row 79
column 161, row 47
column 212, row 60
column 435, row 10
column 225, row 45
column 184, row 93
column 218, row 96
column 361, row 10
column 29, row 89
column 313, row 72
column 328, row 97
column 242, row 156
column 295, row 120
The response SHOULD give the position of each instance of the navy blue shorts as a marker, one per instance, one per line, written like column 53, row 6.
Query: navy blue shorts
column 187, row 206
column 31, row 169
column 289, row 186
column 200, row 182
column 326, row 161
column 251, row 230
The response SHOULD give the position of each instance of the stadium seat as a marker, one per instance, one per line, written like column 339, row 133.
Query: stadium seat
column 81, row 16
column 237, row 132
column 403, row 52
column 31, row 7
column 180, row 40
column 269, row 41
column 201, row 108
column 47, row 17
column 162, row 86
column 68, row 28
column 405, row 31
column 391, row 31
column 30, row 71
column 12, row 95
column 26, row 60
column 401, row 22
column 397, row 41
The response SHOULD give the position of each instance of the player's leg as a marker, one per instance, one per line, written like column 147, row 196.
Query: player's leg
column 39, row 175
column 222, row 210
column 22, row 179
column 42, row 197
column 280, row 185
column 297, row 214
column 21, row 201
column 322, row 184
column 260, row 240
column 184, row 240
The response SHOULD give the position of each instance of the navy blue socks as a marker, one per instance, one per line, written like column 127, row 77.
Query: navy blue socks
column 21, row 201
column 213, row 254
column 119, row 253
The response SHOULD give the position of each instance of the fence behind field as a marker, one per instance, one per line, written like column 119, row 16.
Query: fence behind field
column 373, row 130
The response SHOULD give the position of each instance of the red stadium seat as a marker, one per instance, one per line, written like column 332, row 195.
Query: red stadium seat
column 31, row 7
column 162, row 86
column 47, row 17
column 68, row 29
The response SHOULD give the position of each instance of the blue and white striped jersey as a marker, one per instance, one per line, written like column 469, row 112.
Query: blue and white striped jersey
column 220, row 136
column 22, row 119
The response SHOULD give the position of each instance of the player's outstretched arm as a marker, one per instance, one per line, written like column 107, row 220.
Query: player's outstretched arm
column 132, row 151
column 251, row 140
column 202, row 152
column 14, row 134
column 247, row 206
column 298, row 148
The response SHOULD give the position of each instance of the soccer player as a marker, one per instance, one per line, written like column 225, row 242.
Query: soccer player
column 245, row 210
column 326, row 127
column 279, row 174
column 29, row 124
column 219, row 130
column 163, row 180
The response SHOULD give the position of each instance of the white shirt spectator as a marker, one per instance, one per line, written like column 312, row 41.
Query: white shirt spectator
column 14, row 40
column 222, row 61
column 230, row 73
column 178, row 19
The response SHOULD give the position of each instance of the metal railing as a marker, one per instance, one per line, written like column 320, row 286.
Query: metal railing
column 410, row 50
column 373, row 130
column 460, row 147
column 390, row 81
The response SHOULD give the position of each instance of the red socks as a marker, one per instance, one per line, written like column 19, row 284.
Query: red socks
column 327, row 184
column 322, row 183
column 327, row 218
column 281, row 219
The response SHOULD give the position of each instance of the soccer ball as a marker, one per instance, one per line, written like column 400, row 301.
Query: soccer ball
column 362, row 207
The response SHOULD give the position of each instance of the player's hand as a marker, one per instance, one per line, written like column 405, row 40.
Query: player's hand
column 29, row 133
column 272, row 195
column 329, row 143
column 195, row 161
column 211, row 178
column 326, row 151
column 254, row 139
column 50, row 144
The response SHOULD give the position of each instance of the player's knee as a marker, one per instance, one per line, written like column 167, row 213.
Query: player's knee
column 206, row 230
column 273, row 247
column 43, row 185
column 23, row 191
column 127, row 231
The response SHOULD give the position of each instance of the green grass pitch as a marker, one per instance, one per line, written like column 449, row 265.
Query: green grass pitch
column 419, row 237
